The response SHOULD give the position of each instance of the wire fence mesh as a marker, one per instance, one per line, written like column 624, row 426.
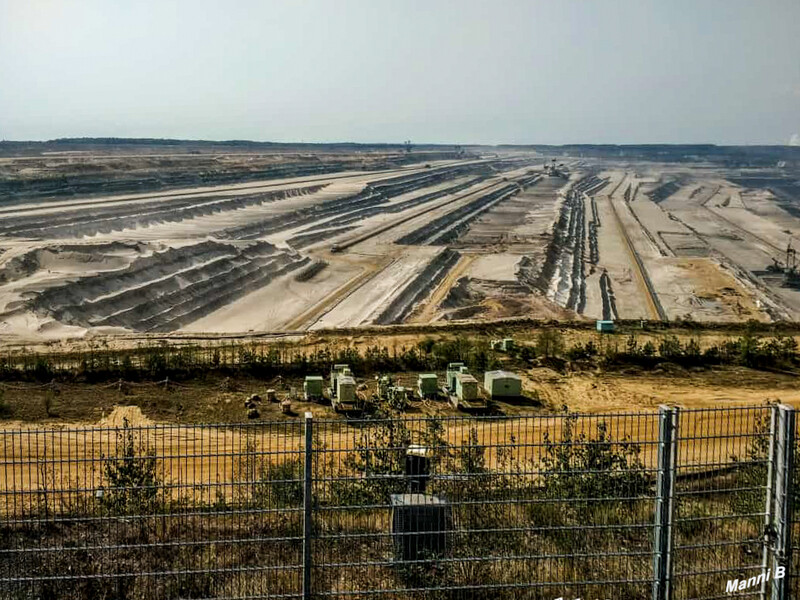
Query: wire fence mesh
column 151, row 512
column 538, row 507
column 552, row 505
column 720, row 499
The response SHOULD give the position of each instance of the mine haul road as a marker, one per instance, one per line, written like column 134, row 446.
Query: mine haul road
column 656, row 310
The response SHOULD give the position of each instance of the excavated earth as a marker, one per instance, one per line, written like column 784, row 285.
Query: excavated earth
column 295, row 244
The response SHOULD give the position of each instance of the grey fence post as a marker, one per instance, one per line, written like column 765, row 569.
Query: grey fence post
column 773, row 423
column 665, row 489
column 308, row 523
column 784, row 467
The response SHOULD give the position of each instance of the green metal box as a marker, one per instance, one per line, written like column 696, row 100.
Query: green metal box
column 428, row 384
column 312, row 387
column 466, row 387
column 502, row 384
column 453, row 369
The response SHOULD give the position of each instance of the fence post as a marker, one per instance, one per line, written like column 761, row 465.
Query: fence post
column 784, row 467
column 308, row 504
column 773, row 423
column 665, row 488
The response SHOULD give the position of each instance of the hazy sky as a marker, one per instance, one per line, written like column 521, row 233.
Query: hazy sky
column 460, row 71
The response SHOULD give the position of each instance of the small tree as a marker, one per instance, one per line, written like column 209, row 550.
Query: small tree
column 549, row 343
column 577, row 466
column 5, row 409
column 132, row 482
column 378, row 456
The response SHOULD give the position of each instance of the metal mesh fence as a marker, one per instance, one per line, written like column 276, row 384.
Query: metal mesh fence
column 794, row 572
column 151, row 512
column 536, row 507
column 720, row 499
column 552, row 505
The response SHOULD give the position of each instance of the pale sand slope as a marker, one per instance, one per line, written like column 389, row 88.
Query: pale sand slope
column 495, row 267
column 272, row 307
column 367, row 302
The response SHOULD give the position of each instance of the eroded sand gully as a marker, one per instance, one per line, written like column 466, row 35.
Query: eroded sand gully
column 470, row 238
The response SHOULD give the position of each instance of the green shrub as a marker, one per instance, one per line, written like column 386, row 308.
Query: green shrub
column 549, row 342
column 577, row 466
column 5, row 408
column 281, row 485
column 131, row 480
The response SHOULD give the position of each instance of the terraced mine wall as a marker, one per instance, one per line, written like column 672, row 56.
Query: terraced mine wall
column 664, row 191
column 98, row 254
column 169, row 289
column 371, row 200
column 303, row 240
column 786, row 189
column 594, row 224
column 646, row 230
column 14, row 190
column 447, row 228
column 107, row 219
column 560, row 238
column 729, row 156
column 311, row 270
column 563, row 267
column 608, row 298
column 575, row 250
column 419, row 288
column 313, row 234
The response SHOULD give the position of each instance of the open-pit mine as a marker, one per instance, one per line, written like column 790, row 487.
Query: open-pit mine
column 246, row 240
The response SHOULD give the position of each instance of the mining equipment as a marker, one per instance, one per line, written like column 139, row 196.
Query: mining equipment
column 345, row 399
column 604, row 326
column 338, row 369
column 775, row 267
column 791, row 277
column 343, row 393
column 461, row 389
column 503, row 345
column 552, row 169
column 396, row 396
column 399, row 397
column 453, row 369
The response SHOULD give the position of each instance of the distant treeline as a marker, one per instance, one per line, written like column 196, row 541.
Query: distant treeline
column 63, row 144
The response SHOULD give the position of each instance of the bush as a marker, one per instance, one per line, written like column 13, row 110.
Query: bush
column 5, row 409
column 281, row 485
column 578, row 467
column 582, row 351
column 549, row 342
column 379, row 455
column 132, row 483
